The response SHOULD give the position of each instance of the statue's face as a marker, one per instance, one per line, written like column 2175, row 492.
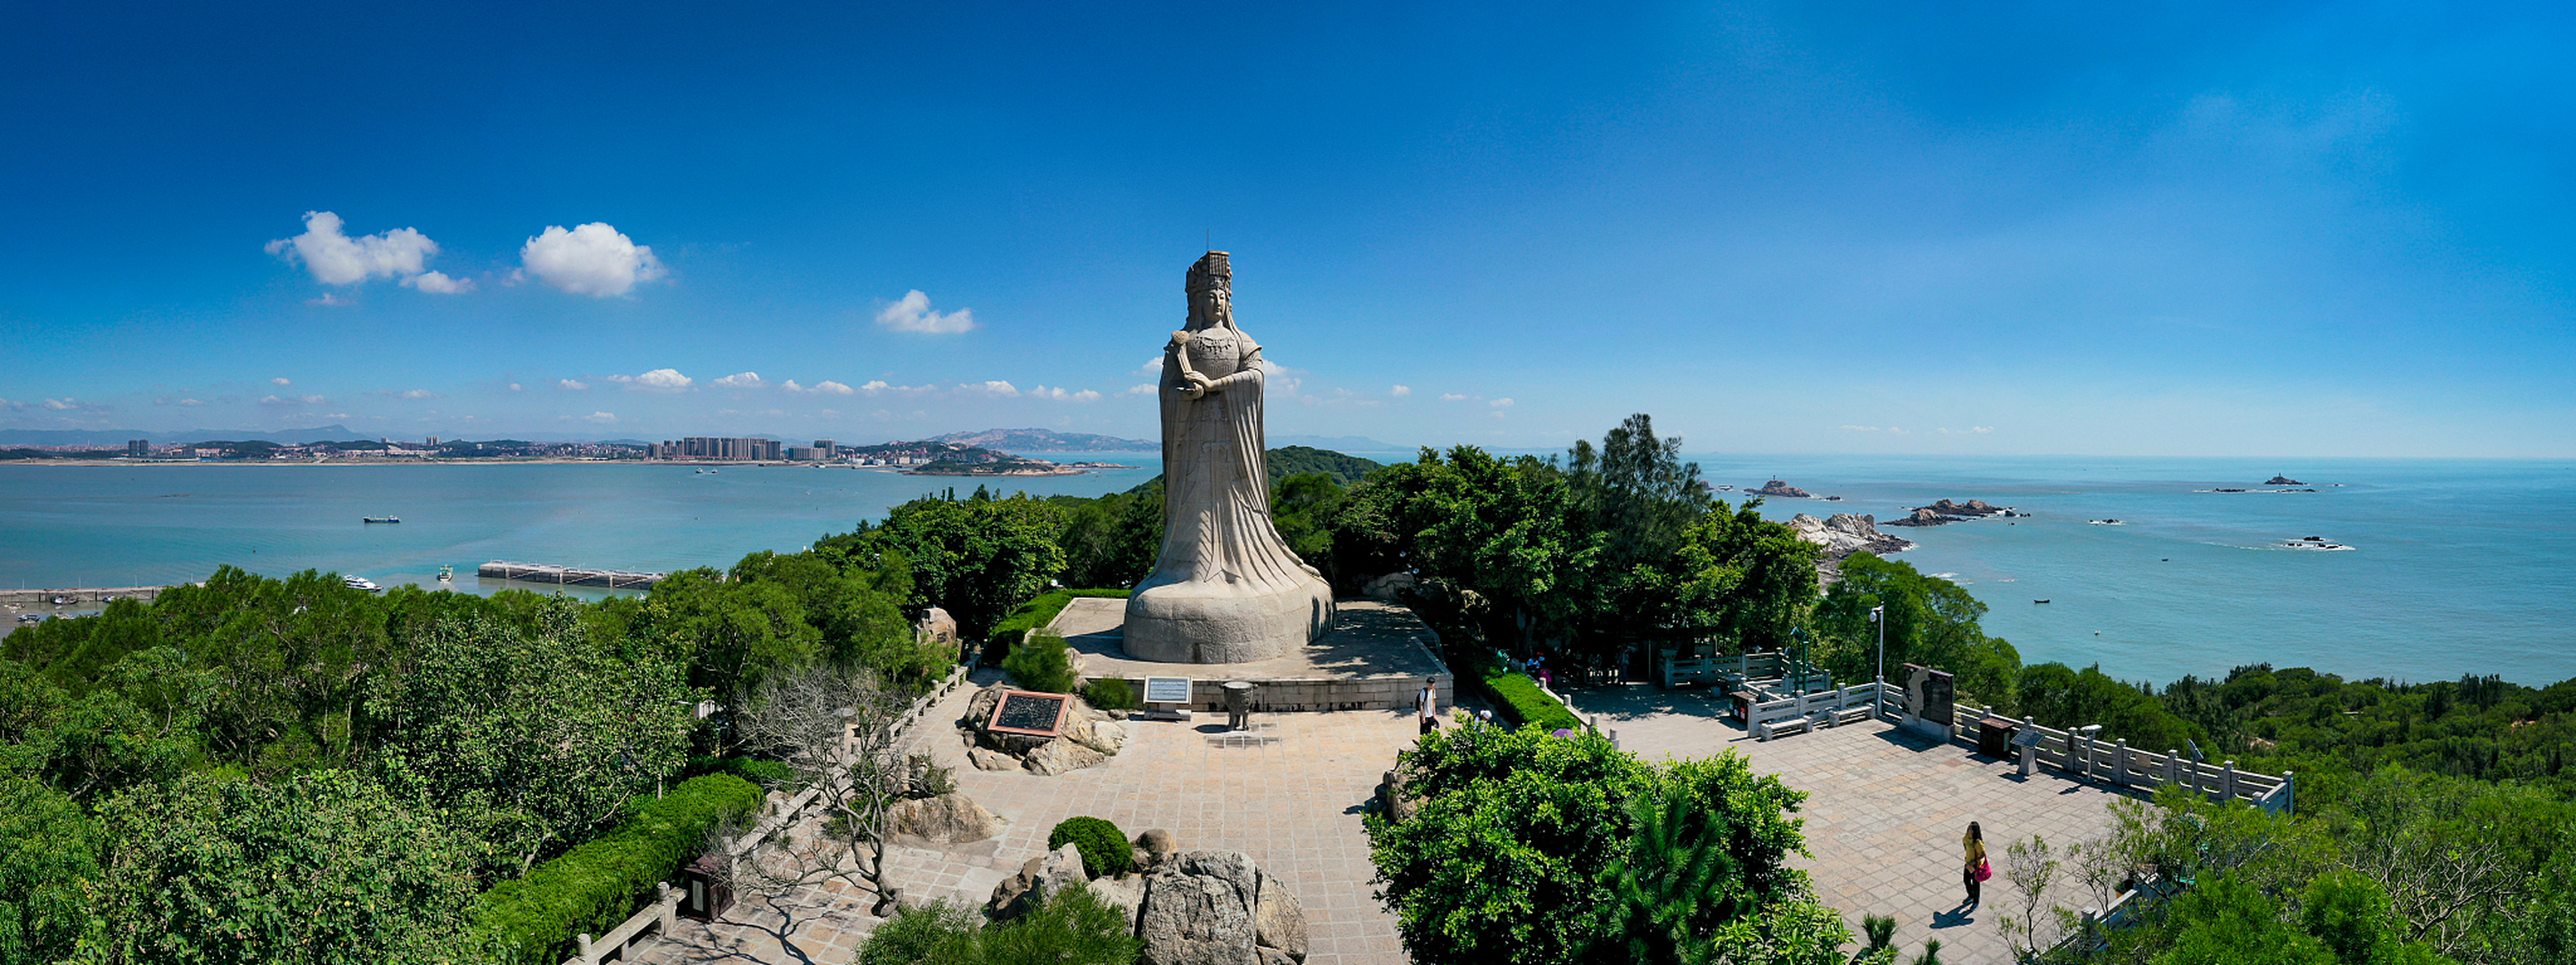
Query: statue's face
column 1211, row 306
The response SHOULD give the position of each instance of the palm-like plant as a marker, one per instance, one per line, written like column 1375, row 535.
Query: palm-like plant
column 1667, row 889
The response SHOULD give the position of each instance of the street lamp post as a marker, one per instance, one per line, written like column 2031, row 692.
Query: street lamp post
column 1878, row 615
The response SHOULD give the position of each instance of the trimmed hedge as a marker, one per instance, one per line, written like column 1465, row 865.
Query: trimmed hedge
column 1104, row 848
column 1040, row 611
column 767, row 774
column 1522, row 698
column 593, row 887
column 1110, row 693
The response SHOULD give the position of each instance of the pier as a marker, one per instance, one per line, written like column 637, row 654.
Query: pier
column 18, row 598
column 567, row 575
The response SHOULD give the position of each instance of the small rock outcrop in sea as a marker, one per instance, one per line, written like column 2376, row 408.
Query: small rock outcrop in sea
column 1843, row 534
column 1947, row 511
column 1783, row 490
column 2282, row 481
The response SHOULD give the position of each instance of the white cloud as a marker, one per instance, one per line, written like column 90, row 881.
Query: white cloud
column 1086, row 395
column 1400, row 391
column 1500, row 403
column 329, row 299
column 413, row 394
column 59, row 405
column 299, row 400
column 829, row 387
column 740, row 380
column 996, row 388
column 437, row 283
column 514, row 386
column 1138, row 390
column 875, row 386
column 593, row 259
column 1061, row 394
column 279, row 381
column 1277, row 379
column 1852, row 428
column 913, row 314
column 658, row 380
column 1452, row 397
column 335, row 258
column 1152, row 368
column 190, row 402
column 570, row 385
column 600, row 417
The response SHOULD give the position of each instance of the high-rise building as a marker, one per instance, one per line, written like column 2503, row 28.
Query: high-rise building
column 433, row 442
column 138, row 447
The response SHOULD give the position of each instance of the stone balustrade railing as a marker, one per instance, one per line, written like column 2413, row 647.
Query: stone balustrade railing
column 661, row 916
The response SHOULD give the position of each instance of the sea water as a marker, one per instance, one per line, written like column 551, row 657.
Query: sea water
column 2456, row 566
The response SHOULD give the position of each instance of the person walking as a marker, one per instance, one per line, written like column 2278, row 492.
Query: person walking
column 1975, row 869
column 1426, row 705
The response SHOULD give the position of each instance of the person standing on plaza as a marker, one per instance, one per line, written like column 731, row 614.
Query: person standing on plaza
column 1973, row 871
column 1426, row 705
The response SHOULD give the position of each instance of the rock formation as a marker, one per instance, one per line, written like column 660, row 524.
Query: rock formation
column 1225, row 588
column 1947, row 511
column 1191, row 908
column 946, row 819
column 1843, row 534
column 2282, row 481
column 1087, row 737
column 1784, row 490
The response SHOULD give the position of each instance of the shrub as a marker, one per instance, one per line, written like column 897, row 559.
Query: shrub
column 1104, row 848
column 1110, row 693
column 771, row 775
column 1074, row 927
column 593, row 887
column 1040, row 611
column 1521, row 697
column 1040, row 663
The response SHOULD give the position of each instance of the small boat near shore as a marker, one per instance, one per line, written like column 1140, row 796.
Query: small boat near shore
column 360, row 583
column 380, row 519
column 2039, row 601
column 2315, row 543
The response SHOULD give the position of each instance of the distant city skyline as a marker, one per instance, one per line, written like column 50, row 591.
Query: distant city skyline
column 2198, row 230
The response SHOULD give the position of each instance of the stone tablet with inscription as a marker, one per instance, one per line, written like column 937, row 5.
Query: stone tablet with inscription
column 1167, row 690
column 1029, row 712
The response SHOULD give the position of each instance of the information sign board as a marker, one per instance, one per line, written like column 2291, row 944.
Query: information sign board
column 1029, row 712
column 1167, row 690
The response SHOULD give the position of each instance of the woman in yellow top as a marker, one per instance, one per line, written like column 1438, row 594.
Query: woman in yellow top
column 1974, row 844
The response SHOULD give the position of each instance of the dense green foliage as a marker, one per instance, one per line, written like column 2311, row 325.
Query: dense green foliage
column 1112, row 540
column 975, row 557
column 1073, row 927
column 1041, row 663
column 1533, row 848
column 593, row 887
column 1104, row 848
column 1606, row 548
column 1110, row 693
column 260, row 769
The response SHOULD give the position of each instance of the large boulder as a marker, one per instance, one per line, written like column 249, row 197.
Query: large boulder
column 1218, row 908
column 986, row 759
column 946, row 819
column 1045, row 874
column 1125, row 894
column 1060, row 756
column 1278, row 919
column 1107, row 737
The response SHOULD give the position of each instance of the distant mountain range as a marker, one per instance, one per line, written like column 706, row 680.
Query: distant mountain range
column 116, row 437
column 1046, row 440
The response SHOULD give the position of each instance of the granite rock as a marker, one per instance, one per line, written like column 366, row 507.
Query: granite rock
column 1045, row 874
column 946, row 819
column 1060, row 756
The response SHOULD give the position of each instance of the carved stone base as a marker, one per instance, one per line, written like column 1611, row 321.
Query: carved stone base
column 1211, row 622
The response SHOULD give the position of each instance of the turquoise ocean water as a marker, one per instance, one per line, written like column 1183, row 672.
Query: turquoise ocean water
column 2457, row 566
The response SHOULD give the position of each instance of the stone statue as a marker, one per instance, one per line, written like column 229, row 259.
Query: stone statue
column 1225, row 587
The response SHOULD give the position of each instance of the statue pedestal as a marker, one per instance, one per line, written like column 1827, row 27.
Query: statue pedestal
column 1224, row 622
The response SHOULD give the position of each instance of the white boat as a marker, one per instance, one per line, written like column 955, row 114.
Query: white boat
column 361, row 583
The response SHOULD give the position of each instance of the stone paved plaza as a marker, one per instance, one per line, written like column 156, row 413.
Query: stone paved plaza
column 1289, row 794
column 1883, row 822
column 1884, row 813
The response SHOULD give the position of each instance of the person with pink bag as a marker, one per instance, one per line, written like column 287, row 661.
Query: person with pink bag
column 1976, row 869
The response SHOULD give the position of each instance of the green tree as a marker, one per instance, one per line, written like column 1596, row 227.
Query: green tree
column 1525, row 849
column 48, row 865
column 976, row 557
column 323, row 867
column 1930, row 621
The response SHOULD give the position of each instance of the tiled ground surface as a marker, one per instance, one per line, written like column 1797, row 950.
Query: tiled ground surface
column 1885, row 811
column 1883, row 822
column 1289, row 794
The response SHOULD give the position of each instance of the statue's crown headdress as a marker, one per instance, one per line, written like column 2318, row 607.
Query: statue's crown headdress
column 1211, row 271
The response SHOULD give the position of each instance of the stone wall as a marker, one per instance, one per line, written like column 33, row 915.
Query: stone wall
column 1343, row 693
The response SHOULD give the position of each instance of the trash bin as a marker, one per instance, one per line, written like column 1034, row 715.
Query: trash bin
column 1994, row 737
column 1744, row 701
column 706, row 896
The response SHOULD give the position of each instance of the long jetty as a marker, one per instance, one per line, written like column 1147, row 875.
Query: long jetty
column 567, row 575
column 78, row 596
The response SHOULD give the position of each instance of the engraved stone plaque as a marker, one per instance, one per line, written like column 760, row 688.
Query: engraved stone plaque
column 1167, row 690
column 1029, row 712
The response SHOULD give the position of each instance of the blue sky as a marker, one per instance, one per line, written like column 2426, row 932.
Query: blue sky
column 2220, row 229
